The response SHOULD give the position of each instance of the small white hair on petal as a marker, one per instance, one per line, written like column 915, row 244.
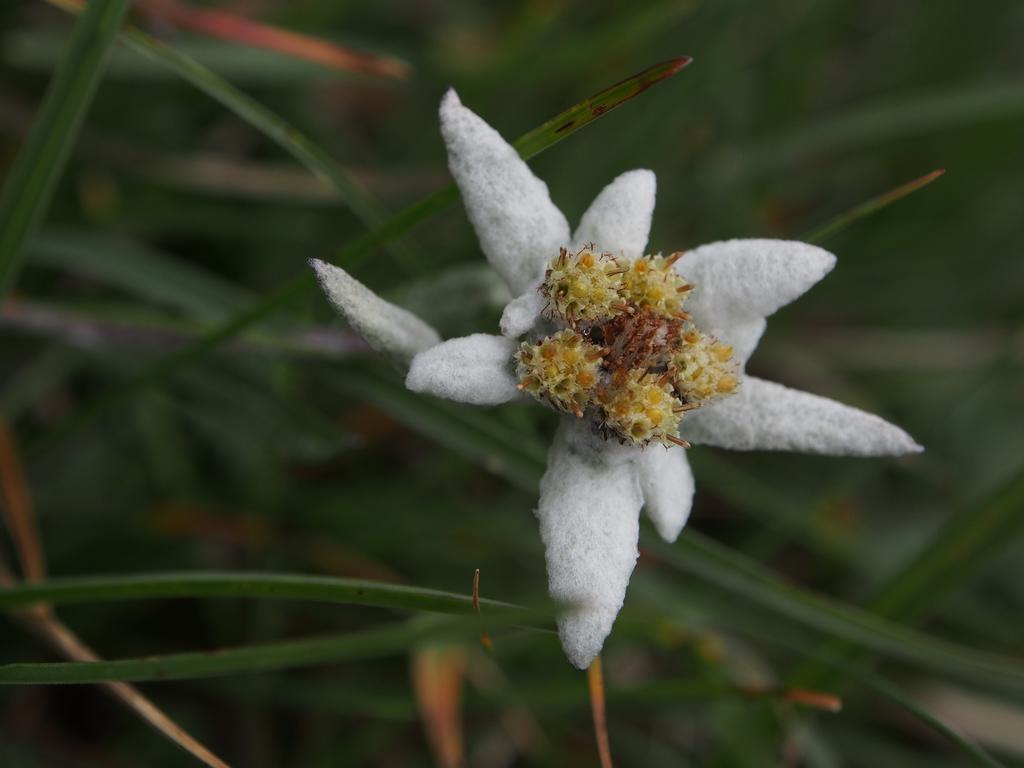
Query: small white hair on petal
column 666, row 481
column 522, row 313
column 589, row 522
column 741, row 282
column 619, row 219
column 764, row 415
column 518, row 226
column 474, row 369
column 387, row 328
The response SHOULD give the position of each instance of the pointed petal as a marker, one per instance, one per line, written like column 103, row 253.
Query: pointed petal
column 473, row 369
column 619, row 219
column 741, row 282
column 667, row 484
column 764, row 415
column 386, row 327
column 522, row 313
column 518, row 226
column 589, row 522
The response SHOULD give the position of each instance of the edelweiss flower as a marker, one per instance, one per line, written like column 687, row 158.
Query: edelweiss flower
column 643, row 355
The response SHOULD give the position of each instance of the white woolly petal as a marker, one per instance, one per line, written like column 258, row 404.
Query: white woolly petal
column 589, row 521
column 619, row 219
column 518, row 226
column 386, row 327
column 741, row 282
column 667, row 484
column 522, row 313
column 473, row 369
column 769, row 416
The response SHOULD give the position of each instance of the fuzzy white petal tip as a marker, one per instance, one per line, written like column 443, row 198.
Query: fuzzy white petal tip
column 666, row 481
column 764, row 415
column 589, row 521
column 473, row 369
column 619, row 219
column 386, row 327
column 518, row 226
column 522, row 313
column 741, row 282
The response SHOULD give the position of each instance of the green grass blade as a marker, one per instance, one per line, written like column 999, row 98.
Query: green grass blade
column 589, row 110
column 844, row 220
column 952, row 557
column 29, row 188
column 263, row 657
column 699, row 556
column 975, row 753
column 253, row 585
column 536, row 141
column 278, row 130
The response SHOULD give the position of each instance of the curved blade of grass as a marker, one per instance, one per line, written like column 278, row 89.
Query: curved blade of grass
column 282, row 133
column 710, row 561
column 953, row 556
column 258, row 585
column 844, row 220
column 530, row 144
column 29, row 188
column 265, row 657
column 977, row 755
column 238, row 29
column 589, row 110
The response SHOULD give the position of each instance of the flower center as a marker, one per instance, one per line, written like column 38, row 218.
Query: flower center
column 627, row 353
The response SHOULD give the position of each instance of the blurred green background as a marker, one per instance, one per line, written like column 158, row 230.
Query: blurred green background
column 291, row 450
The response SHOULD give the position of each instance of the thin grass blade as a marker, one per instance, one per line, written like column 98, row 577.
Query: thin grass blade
column 238, row 29
column 874, row 205
column 254, row 585
column 266, row 657
column 955, row 555
column 26, row 195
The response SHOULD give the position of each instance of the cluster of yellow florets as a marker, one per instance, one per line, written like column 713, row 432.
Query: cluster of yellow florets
column 704, row 367
column 583, row 286
column 562, row 369
column 652, row 282
column 587, row 286
column 641, row 407
column 629, row 352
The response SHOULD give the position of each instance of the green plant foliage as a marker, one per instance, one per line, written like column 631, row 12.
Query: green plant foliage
column 233, row 495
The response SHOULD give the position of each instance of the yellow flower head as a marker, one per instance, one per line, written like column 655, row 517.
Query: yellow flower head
column 651, row 282
column 705, row 368
column 630, row 353
column 641, row 407
column 562, row 369
column 584, row 286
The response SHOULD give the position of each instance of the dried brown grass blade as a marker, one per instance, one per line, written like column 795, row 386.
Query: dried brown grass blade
column 595, row 679
column 17, row 508
column 43, row 622
column 237, row 29
column 437, row 676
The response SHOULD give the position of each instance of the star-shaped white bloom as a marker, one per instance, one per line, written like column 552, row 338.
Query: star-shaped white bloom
column 595, row 485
